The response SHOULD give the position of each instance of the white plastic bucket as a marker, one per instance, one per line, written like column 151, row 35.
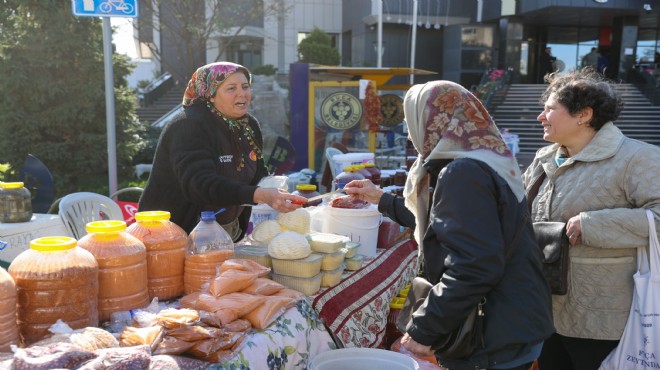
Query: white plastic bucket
column 262, row 212
column 345, row 160
column 362, row 359
column 360, row 225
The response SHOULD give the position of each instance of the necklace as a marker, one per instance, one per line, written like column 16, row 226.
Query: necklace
column 243, row 131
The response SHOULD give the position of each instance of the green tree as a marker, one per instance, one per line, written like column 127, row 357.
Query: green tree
column 53, row 98
column 190, row 27
column 317, row 48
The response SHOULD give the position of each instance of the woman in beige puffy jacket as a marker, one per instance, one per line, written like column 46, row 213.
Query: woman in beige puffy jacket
column 600, row 183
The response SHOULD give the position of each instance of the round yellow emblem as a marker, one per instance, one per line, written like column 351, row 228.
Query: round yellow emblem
column 392, row 108
column 341, row 110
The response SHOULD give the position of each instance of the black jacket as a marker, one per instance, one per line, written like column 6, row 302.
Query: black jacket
column 190, row 170
column 474, row 217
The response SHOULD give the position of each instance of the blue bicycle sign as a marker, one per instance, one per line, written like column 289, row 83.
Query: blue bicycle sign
column 120, row 5
column 105, row 8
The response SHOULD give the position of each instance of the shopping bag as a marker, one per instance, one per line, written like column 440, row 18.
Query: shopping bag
column 639, row 348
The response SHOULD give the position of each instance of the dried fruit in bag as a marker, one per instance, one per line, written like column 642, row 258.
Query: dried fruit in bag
column 237, row 326
column 194, row 333
column 132, row 336
column 172, row 318
column 172, row 346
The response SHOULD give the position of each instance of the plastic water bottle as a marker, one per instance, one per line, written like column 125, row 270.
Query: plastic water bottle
column 209, row 246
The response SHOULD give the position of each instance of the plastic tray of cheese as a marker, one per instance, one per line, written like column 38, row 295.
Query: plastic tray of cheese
column 303, row 268
column 332, row 278
column 351, row 249
column 253, row 252
column 307, row 286
column 331, row 261
column 326, row 243
column 354, row 263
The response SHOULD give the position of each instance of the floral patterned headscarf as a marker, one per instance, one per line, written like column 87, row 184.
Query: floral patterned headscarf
column 445, row 121
column 206, row 79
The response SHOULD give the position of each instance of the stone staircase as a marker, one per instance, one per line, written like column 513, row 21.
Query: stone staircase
column 162, row 106
column 516, row 107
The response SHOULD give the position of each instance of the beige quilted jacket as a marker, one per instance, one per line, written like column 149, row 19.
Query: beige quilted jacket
column 609, row 184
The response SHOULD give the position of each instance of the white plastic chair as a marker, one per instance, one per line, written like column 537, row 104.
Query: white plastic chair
column 330, row 152
column 77, row 209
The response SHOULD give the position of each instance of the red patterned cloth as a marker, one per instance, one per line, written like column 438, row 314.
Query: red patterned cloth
column 356, row 309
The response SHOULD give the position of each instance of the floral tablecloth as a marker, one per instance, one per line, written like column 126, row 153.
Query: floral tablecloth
column 356, row 309
column 296, row 337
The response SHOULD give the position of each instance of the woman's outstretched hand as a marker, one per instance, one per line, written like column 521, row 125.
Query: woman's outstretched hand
column 278, row 199
column 364, row 190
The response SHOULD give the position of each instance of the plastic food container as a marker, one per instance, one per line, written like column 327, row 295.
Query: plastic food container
column 326, row 242
column 354, row 263
column 122, row 260
column 8, row 325
column 362, row 359
column 166, row 245
column 307, row 286
column 302, row 268
column 351, row 249
column 332, row 278
column 331, row 261
column 55, row 279
column 255, row 253
column 15, row 202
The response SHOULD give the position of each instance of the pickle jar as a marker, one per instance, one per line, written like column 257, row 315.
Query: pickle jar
column 15, row 202
column 308, row 191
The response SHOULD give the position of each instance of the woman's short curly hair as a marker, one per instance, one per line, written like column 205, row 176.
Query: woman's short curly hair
column 585, row 88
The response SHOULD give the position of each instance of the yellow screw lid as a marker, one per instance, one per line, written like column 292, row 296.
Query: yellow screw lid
column 11, row 185
column 53, row 243
column 110, row 226
column 404, row 291
column 306, row 187
column 152, row 216
column 397, row 302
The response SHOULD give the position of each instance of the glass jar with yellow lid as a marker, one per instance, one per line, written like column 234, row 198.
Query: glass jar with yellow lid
column 15, row 202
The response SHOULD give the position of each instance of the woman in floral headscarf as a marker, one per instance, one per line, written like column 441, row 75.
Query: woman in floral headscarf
column 475, row 235
column 211, row 155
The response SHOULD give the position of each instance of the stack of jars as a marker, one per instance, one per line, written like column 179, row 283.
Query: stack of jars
column 8, row 326
column 122, row 260
column 166, row 245
column 55, row 279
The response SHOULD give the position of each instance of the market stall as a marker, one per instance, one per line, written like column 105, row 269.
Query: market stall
column 354, row 308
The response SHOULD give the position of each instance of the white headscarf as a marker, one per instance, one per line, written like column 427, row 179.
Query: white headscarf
column 445, row 121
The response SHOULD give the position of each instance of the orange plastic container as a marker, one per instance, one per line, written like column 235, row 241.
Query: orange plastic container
column 122, row 260
column 166, row 245
column 55, row 279
column 8, row 325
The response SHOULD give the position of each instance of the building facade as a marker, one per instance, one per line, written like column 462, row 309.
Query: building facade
column 458, row 39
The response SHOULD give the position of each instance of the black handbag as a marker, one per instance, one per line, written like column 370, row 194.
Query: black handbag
column 553, row 241
column 458, row 344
